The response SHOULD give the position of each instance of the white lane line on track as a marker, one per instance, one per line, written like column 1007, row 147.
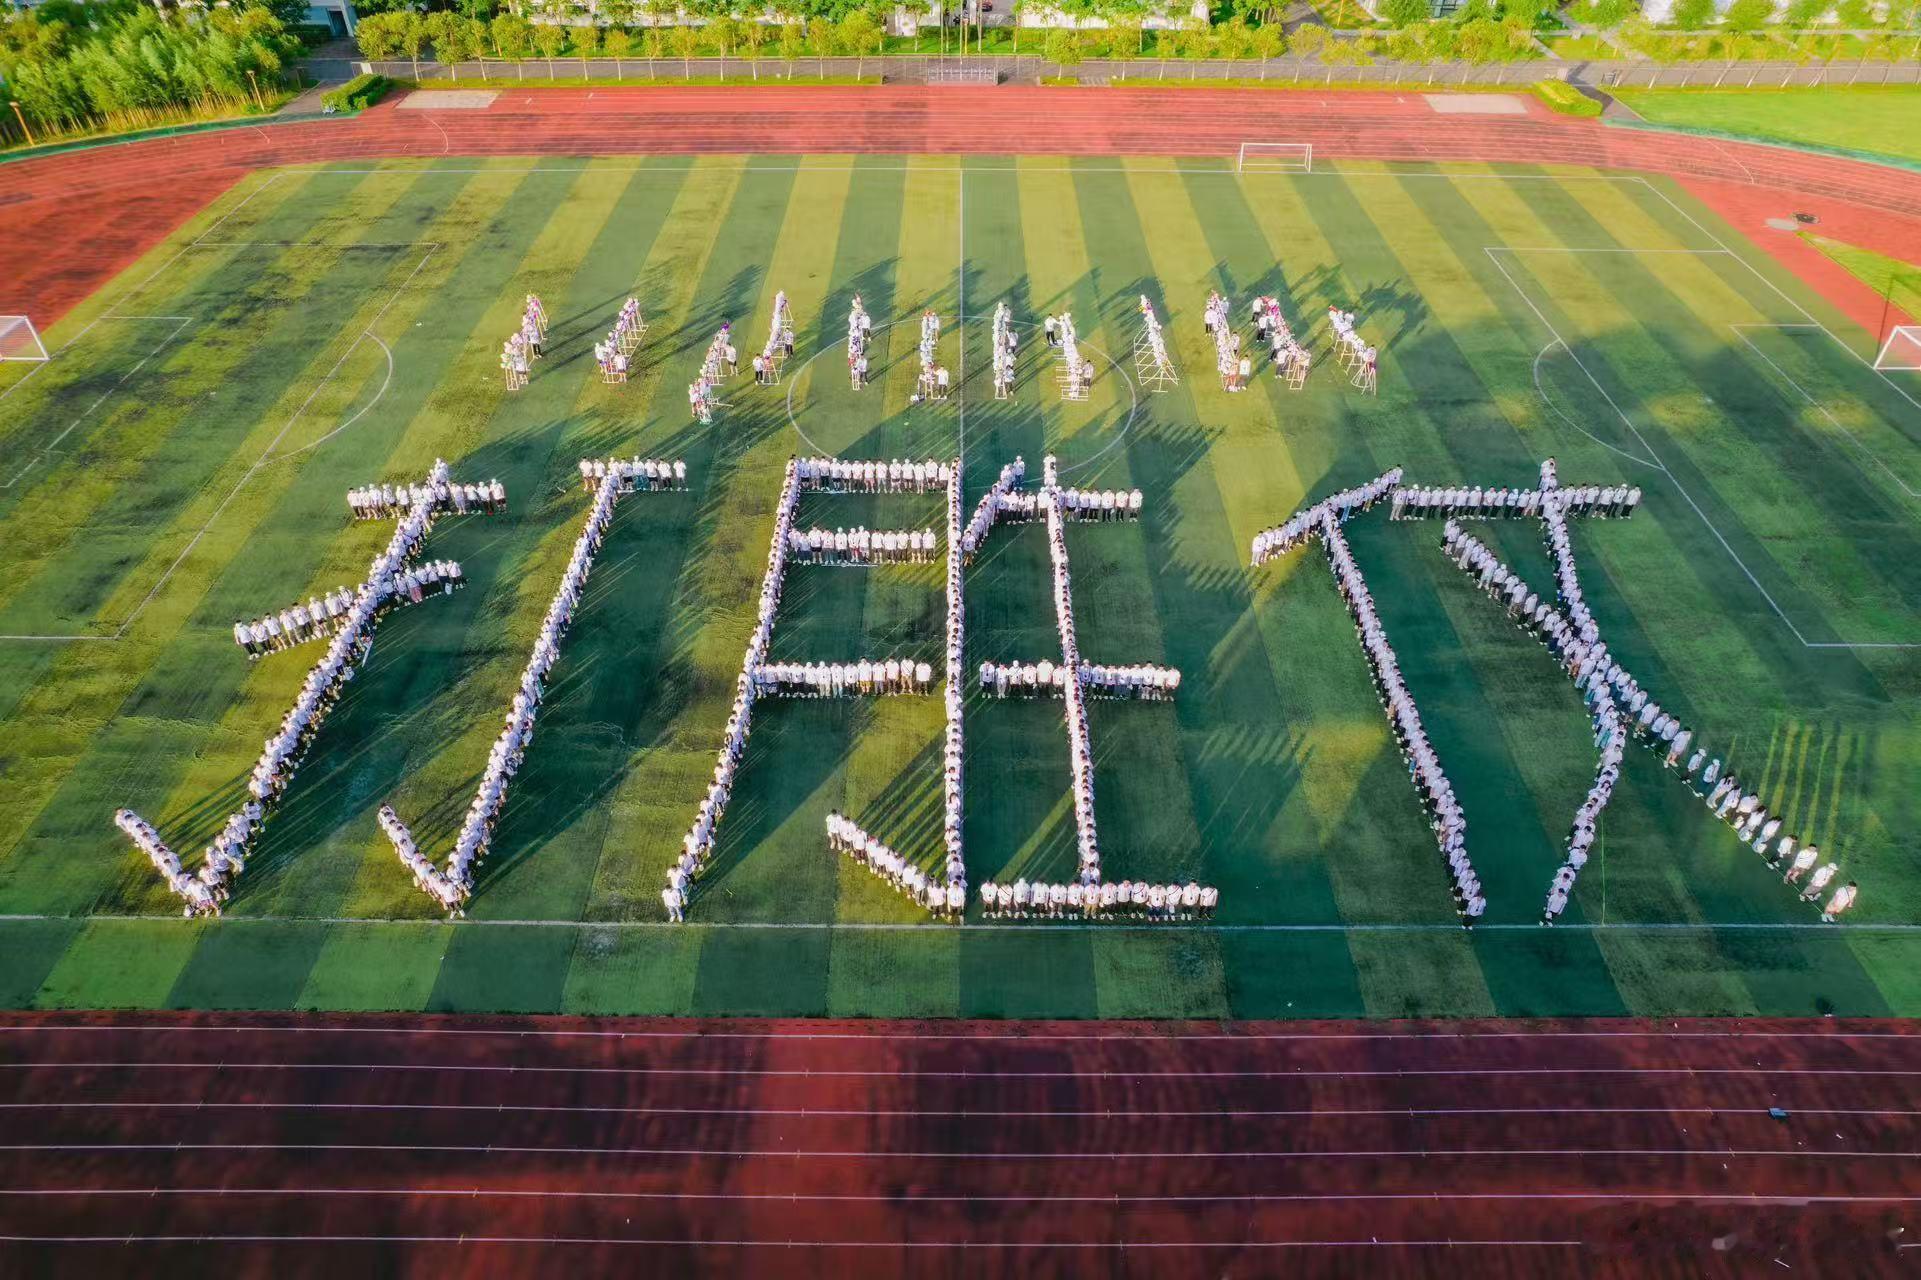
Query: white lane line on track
column 835, row 1113
column 908, row 1197
column 784, row 1153
column 999, row 1035
column 1084, row 1245
column 839, row 1073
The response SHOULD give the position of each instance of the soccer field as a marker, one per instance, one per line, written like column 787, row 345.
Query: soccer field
column 182, row 463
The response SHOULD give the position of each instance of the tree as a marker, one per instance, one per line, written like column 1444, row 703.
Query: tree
column 1748, row 15
column 653, row 44
column 619, row 13
column 686, row 42
column 550, row 39
column 1523, row 15
column 1482, row 40
column 1856, row 15
column 822, row 37
column 752, row 36
column 1017, row 9
column 793, row 38
column 1307, row 40
column 1805, row 13
column 863, row 35
column 726, row 33
column 586, row 44
column 512, row 36
column 1692, row 15
column 1062, row 49
column 619, row 42
column 1270, row 42
column 377, row 37
column 1405, row 13
column 1235, row 39
column 452, row 36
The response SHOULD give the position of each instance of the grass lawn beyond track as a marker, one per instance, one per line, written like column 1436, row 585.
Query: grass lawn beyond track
column 1886, row 121
column 183, row 461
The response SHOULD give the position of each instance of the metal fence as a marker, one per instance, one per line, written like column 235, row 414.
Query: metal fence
column 1027, row 69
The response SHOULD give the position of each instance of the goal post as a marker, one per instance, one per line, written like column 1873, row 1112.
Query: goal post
column 19, row 340
column 1275, row 157
column 1902, row 350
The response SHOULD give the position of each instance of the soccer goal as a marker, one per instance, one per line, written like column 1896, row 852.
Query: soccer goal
column 1902, row 350
column 19, row 340
column 1276, row 157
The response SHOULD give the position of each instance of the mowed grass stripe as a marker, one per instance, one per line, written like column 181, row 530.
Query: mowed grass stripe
column 141, row 468
column 1015, row 818
column 1653, row 811
column 1376, row 849
column 1669, row 385
column 110, row 682
column 1536, row 703
column 1513, row 851
column 1751, row 708
column 524, row 884
column 266, row 556
column 408, row 724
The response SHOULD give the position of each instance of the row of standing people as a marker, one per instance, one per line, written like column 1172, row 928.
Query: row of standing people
column 1431, row 784
column 1080, row 750
column 633, row 475
column 1475, row 502
column 860, row 335
column 320, row 616
column 1305, row 525
column 943, row 897
column 865, row 678
column 860, row 546
column 1027, row 679
column 320, row 691
column 1113, row 899
column 525, row 345
column 386, row 501
column 697, row 846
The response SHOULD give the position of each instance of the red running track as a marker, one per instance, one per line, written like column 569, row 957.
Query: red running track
column 291, row 1145
column 69, row 222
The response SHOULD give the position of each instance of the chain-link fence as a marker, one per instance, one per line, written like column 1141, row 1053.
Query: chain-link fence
column 931, row 69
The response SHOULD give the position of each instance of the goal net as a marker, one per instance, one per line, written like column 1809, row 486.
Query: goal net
column 1276, row 157
column 1902, row 350
column 20, row 341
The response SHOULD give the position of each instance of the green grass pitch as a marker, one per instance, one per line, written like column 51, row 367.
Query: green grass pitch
column 183, row 463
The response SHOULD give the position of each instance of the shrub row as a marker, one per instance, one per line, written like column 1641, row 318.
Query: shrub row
column 357, row 94
column 1566, row 99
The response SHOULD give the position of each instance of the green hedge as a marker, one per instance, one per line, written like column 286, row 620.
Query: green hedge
column 1566, row 99
column 358, row 93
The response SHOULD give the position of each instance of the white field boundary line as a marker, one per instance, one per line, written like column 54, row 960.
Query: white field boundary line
column 960, row 322
column 267, row 455
column 180, row 323
column 1148, row 1036
column 911, row 1197
column 113, row 308
column 866, row 1154
column 322, row 169
column 1741, row 332
column 898, row 1073
column 703, row 1243
column 1030, row 926
column 840, row 1113
column 1493, row 253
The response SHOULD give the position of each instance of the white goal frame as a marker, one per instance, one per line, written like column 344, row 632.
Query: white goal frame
column 10, row 327
column 1910, row 335
column 1275, row 157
